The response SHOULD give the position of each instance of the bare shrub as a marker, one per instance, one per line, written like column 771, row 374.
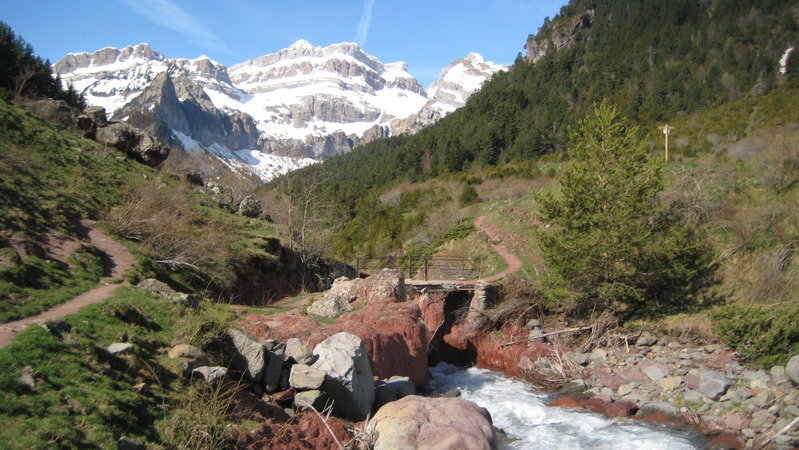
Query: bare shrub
column 552, row 372
column 175, row 233
column 521, row 300
column 201, row 420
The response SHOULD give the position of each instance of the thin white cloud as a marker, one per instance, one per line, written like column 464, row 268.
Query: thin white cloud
column 362, row 32
column 169, row 15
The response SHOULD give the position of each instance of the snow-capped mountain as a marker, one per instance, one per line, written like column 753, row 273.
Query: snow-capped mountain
column 302, row 102
column 455, row 85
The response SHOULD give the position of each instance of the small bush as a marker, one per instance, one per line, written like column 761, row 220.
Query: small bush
column 765, row 336
column 469, row 196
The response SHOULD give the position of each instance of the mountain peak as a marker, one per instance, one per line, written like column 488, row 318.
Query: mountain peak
column 301, row 43
column 475, row 57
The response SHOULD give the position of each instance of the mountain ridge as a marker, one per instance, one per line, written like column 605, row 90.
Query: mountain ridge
column 303, row 101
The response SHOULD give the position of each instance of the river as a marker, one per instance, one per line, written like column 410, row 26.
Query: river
column 522, row 414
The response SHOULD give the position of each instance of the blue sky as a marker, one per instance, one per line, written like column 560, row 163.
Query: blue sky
column 427, row 34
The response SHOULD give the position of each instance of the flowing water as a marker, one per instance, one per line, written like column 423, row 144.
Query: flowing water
column 528, row 423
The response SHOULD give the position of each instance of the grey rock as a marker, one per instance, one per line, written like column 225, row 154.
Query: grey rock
column 779, row 375
column 535, row 336
column 713, row 384
column 298, row 352
column 576, row 386
column 763, row 399
column 393, row 389
column 119, row 348
column 306, row 399
column 349, row 376
column 646, row 339
column 97, row 114
column 598, row 355
column 161, row 289
column 134, row 142
column 250, row 207
column 792, row 369
column 336, row 300
column 304, row 377
column 654, row 373
column 625, row 389
column 664, row 408
column 274, row 364
column 533, row 323
column 245, row 355
column 580, row 359
column 209, row 374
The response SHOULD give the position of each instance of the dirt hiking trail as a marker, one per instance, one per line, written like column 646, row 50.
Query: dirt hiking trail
column 118, row 263
column 494, row 240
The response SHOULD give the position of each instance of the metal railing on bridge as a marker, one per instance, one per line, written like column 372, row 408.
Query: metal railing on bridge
column 421, row 268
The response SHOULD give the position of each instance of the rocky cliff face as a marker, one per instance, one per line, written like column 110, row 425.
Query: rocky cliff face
column 272, row 113
column 558, row 35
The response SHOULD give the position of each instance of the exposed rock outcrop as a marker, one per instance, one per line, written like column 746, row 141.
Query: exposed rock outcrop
column 392, row 329
column 133, row 142
column 559, row 34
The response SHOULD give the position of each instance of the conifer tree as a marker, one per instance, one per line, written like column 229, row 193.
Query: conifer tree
column 612, row 244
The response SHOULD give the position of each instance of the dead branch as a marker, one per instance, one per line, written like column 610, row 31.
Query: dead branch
column 782, row 431
column 553, row 333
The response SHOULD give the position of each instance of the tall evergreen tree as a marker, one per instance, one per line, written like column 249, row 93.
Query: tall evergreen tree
column 612, row 244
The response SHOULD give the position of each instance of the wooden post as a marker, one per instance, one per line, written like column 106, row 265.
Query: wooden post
column 357, row 267
column 666, row 130
column 426, row 262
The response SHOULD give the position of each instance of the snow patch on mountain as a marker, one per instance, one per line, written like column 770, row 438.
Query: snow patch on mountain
column 265, row 166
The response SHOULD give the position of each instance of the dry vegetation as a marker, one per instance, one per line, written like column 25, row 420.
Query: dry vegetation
column 173, row 231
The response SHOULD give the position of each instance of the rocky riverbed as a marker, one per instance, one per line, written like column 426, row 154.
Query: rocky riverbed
column 369, row 354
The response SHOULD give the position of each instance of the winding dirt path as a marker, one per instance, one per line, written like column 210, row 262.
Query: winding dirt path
column 494, row 240
column 118, row 263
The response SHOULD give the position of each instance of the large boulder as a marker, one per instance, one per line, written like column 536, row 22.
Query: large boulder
column 337, row 299
column 245, row 355
column 792, row 369
column 349, row 380
column 134, row 142
column 420, row 422
column 274, row 364
column 97, row 114
column 56, row 111
column 250, row 207
column 386, row 286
